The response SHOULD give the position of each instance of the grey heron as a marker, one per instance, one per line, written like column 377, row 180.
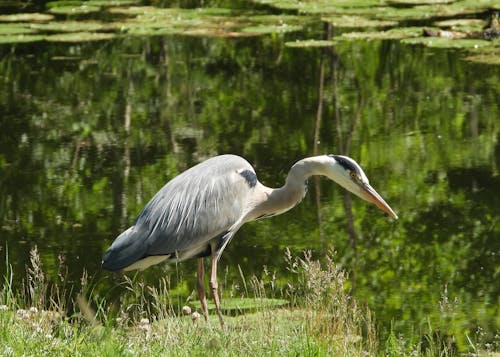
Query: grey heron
column 198, row 212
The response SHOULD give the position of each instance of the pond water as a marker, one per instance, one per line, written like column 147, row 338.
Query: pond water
column 90, row 131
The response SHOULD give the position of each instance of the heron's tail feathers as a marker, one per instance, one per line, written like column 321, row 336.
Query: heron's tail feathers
column 127, row 249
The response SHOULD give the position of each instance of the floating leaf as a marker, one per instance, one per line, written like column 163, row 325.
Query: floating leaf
column 425, row 8
column 310, row 43
column 138, row 30
column 408, row 13
column 182, row 21
column 482, row 4
column 26, row 17
column 107, row 3
column 419, row 2
column 131, row 11
column 279, row 19
column 73, row 26
column 80, row 37
column 396, row 33
column 338, row 7
column 20, row 38
column 460, row 23
column 216, row 33
column 441, row 42
column 265, row 29
column 61, row 3
column 209, row 22
column 74, row 10
column 152, row 12
column 280, row 4
column 324, row 6
column 349, row 21
column 14, row 29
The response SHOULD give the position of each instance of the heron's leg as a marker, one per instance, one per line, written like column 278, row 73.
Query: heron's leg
column 200, row 285
column 214, row 286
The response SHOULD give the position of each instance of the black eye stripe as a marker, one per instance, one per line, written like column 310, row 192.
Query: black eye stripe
column 346, row 164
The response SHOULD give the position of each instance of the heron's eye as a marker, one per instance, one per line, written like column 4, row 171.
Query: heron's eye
column 355, row 177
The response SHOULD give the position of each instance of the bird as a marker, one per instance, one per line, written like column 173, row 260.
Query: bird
column 197, row 213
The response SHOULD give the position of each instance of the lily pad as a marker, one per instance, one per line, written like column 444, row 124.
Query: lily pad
column 209, row 22
column 80, row 37
column 108, row 3
column 338, row 7
column 375, row 12
column 26, row 17
column 482, row 4
column 279, row 19
column 419, row 2
column 131, row 10
column 280, row 4
column 350, row 21
column 60, row 3
column 310, row 43
column 73, row 26
column 152, row 12
column 425, row 8
column 266, row 29
column 441, row 42
column 422, row 12
column 453, row 23
column 148, row 19
column 147, row 30
column 322, row 6
column 463, row 7
column 21, row 38
column 15, row 29
column 74, row 10
column 392, row 34
column 206, row 32
column 192, row 27
column 408, row 13
column 463, row 25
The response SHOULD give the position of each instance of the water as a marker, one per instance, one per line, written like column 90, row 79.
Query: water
column 89, row 132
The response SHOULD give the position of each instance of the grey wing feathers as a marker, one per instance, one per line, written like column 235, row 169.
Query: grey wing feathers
column 190, row 210
column 125, row 250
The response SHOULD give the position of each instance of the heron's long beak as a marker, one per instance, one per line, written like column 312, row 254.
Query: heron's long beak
column 371, row 195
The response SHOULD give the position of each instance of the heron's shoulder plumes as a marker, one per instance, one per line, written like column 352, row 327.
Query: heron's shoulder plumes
column 183, row 206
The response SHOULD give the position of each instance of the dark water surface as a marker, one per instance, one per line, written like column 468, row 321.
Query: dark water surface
column 89, row 132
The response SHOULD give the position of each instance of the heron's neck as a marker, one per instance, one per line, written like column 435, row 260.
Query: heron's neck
column 282, row 199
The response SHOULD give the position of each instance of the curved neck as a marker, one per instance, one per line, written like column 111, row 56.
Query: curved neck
column 279, row 200
column 305, row 168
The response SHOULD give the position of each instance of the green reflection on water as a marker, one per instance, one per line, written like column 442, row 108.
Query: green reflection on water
column 89, row 132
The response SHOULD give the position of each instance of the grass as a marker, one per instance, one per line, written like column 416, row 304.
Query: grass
column 321, row 319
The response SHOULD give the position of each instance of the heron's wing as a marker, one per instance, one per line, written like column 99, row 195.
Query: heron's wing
column 196, row 206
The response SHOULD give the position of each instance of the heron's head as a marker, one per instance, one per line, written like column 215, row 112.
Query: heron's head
column 348, row 174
